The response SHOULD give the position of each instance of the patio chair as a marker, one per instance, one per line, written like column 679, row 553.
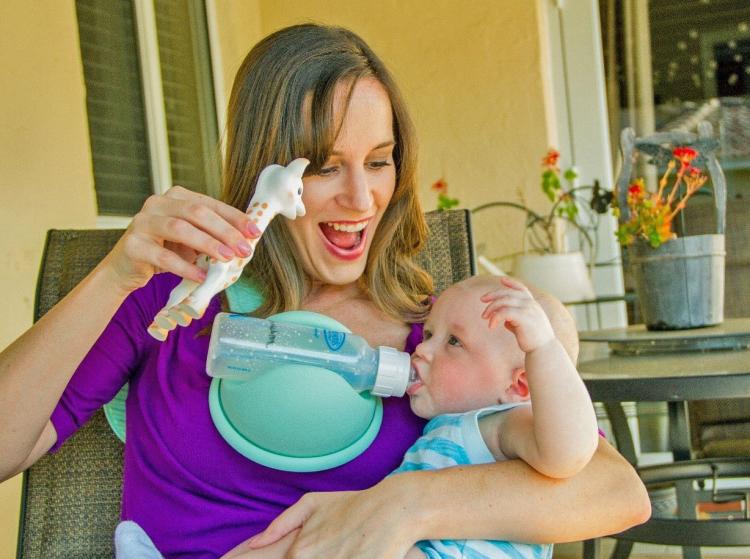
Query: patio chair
column 71, row 500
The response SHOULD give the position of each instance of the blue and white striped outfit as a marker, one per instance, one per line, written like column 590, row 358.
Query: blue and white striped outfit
column 453, row 440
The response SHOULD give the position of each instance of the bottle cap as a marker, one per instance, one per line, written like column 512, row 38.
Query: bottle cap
column 394, row 368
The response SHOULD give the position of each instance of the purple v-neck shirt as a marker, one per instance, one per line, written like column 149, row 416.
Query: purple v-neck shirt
column 192, row 492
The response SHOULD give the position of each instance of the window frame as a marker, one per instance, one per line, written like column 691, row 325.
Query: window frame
column 153, row 98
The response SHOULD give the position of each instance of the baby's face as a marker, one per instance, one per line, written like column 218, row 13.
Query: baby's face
column 462, row 364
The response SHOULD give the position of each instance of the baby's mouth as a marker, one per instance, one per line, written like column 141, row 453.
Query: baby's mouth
column 415, row 382
column 345, row 236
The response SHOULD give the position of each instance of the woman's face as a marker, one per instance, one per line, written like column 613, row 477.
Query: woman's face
column 346, row 200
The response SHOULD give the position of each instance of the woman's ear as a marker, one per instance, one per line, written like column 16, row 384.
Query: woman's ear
column 519, row 385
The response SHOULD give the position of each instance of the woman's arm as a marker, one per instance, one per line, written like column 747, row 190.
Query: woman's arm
column 507, row 500
column 166, row 235
column 35, row 369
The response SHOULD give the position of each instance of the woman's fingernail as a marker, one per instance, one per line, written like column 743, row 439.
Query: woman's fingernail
column 252, row 229
column 245, row 248
column 226, row 252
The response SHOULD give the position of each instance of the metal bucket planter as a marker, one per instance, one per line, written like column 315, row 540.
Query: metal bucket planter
column 680, row 284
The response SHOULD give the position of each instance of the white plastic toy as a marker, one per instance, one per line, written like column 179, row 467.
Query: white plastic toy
column 279, row 191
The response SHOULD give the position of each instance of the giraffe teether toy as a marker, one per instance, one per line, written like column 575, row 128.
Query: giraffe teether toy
column 279, row 191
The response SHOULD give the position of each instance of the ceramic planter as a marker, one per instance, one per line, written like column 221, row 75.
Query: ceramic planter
column 564, row 275
column 680, row 284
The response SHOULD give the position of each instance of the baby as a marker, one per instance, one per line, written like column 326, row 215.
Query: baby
column 490, row 353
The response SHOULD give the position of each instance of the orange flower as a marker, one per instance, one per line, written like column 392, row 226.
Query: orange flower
column 550, row 160
column 439, row 185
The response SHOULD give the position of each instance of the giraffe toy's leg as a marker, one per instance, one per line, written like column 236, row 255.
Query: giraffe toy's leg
column 169, row 316
column 220, row 276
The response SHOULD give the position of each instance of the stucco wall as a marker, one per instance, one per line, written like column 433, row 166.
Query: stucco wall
column 45, row 166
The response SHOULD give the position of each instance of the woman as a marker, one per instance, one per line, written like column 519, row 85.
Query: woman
column 321, row 93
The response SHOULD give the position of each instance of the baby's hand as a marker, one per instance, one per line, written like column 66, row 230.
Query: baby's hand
column 515, row 306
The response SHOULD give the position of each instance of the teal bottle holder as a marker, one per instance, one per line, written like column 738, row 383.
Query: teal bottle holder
column 296, row 418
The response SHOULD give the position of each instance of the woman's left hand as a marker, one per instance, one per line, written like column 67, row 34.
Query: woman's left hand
column 344, row 524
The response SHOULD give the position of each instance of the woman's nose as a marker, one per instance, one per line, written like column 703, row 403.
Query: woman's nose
column 357, row 194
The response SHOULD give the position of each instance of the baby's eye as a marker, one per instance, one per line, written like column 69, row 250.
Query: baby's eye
column 454, row 341
column 426, row 334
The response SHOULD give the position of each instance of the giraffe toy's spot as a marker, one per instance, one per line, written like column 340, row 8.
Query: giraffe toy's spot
column 260, row 213
column 264, row 205
column 256, row 204
column 233, row 279
column 255, row 220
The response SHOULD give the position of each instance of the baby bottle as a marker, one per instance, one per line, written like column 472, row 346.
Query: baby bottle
column 242, row 346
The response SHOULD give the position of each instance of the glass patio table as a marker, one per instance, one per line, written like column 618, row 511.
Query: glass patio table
column 633, row 364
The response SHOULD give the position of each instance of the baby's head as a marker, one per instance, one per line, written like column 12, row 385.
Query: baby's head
column 463, row 364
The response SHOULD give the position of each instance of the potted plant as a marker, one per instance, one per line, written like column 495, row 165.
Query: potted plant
column 679, row 281
column 545, row 259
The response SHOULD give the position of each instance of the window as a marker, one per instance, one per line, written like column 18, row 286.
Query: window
column 673, row 63
column 150, row 100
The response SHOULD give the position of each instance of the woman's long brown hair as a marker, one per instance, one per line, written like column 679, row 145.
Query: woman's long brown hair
column 281, row 107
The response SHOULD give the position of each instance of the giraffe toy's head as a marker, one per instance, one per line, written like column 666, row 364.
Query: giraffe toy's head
column 281, row 188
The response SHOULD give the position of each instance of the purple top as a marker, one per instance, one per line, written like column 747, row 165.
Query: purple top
column 192, row 492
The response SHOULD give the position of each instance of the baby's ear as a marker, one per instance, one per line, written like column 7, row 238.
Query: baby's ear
column 519, row 385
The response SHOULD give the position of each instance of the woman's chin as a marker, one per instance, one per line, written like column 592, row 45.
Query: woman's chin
column 324, row 269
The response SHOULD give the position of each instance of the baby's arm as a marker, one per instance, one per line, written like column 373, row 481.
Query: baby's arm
column 560, row 436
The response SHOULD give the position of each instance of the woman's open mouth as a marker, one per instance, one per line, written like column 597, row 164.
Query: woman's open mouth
column 345, row 239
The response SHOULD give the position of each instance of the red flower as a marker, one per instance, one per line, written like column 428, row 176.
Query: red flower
column 439, row 186
column 693, row 171
column 636, row 188
column 685, row 155
column 550, row 160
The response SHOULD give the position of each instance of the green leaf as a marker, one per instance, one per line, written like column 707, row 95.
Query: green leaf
column 570, row 175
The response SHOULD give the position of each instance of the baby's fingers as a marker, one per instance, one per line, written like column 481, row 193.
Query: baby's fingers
column 513, row 283
column 501, row 310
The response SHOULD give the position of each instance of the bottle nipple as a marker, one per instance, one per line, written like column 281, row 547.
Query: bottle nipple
column 413, row 377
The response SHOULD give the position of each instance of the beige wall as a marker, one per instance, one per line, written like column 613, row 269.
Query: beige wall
column 45, row 166
column 473, row 77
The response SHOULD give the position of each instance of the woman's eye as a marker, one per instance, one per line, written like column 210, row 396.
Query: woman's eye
column 453, row 340
column 326, row 171
column 379, row 164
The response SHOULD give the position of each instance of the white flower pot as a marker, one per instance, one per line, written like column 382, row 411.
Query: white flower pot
column 563, row 275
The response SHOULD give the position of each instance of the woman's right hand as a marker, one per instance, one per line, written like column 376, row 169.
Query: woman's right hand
column 169, row 233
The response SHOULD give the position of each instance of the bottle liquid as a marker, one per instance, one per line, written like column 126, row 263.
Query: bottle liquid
column 242, row 346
